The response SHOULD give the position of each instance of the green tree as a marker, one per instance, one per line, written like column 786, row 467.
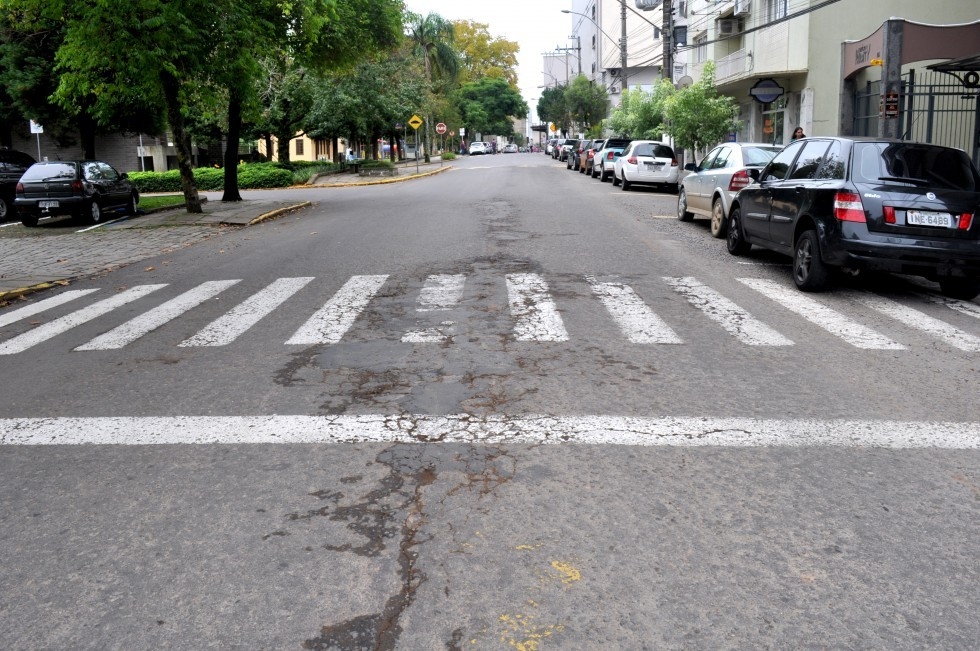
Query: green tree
column 488, row 104
column 553, row 108
column 698, row 116
column 431, row 38
column 641, row 114
column 482, row 55
column 586, row 102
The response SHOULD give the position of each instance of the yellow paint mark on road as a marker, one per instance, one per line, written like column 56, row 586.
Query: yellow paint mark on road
column 522, row 632
column 569, row 574
column 527, row 548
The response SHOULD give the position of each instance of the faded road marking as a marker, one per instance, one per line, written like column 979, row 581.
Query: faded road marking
column 637, row 321
column 531, row 304
column 333, row 320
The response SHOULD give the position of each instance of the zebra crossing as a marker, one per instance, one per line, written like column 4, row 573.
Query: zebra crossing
column 535, row 314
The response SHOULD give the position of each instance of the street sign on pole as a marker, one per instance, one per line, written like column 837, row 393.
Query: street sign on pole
column 415, row 122
column 441, row 128
column 38, row 130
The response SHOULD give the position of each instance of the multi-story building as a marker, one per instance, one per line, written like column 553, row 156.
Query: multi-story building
column 782, row 60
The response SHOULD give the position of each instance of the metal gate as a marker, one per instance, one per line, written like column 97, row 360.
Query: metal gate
column 935, row 107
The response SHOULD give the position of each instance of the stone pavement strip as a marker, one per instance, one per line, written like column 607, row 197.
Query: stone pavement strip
column 55, row 252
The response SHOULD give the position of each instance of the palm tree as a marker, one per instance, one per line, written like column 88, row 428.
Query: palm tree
column 432, row 41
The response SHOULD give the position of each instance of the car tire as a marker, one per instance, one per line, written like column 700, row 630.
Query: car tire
column 964, row 289
column 5, row 204
column 29, row 221
column 736, row 237
column 626, row 183
column 594, row 173
column 94, row 213
column 810, row 273
column 718, row 221
column 131, row 206
column 683, row 213
column 603, row 175
column 615, row 179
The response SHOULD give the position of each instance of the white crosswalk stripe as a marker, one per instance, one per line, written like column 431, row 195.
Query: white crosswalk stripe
column 739, row 323
column 532, row 306
column 232, row 325
column 441, row 292
column 535, row 315
column 30, row 310
column 333, row 320
column 637, row 321
column 819, row 314
column 147, row 322
column 64, row 324
column 918, row 320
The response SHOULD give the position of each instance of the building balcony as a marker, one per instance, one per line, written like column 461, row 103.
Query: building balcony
column 733, row 66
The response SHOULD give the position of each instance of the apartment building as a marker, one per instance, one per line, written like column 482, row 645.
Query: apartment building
column 782, row 60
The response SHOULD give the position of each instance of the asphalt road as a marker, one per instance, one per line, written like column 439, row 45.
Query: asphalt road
column 503, row 407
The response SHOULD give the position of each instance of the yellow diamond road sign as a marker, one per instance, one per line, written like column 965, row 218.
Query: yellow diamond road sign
column 415, row 122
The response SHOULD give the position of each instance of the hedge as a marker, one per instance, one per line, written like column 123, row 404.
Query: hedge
column 250, row 176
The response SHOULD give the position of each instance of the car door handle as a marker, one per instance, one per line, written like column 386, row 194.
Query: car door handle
column 799, row 189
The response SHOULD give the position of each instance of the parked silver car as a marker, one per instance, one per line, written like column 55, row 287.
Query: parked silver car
column 712, row 184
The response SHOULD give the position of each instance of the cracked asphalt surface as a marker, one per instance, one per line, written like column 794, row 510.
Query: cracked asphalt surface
column 492, row 521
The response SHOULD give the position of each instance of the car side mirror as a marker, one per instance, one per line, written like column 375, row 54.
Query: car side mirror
column 755, row 173
column 691, row 167
column 124, row 175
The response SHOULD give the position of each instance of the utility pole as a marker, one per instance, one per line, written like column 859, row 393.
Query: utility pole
column 667, row 71
column 622, row 46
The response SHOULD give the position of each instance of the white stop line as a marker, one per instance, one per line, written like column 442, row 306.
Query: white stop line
column 535, row 430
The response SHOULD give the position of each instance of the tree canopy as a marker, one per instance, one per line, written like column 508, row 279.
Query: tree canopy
column 488, row 104
column 698, row 116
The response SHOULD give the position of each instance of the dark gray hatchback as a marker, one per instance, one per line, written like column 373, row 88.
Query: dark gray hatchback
column 859, row 203
column 84, row 189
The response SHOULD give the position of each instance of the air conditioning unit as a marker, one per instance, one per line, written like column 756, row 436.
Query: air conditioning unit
column 728, row 27
column 742, row 7
column 614, row 89
column 648, row 5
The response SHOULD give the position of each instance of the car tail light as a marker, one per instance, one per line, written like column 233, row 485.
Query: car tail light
column 740, row 179
column 20, row 188
column 848, row 207
column 76, row 187
column 609, row 156
column 631, row 160
column 673, row 162
column 966, row 219
column 889, row 214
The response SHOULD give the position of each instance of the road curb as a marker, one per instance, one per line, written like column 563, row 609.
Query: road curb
column 398, row 179
column 273, row 214
column 11, row 294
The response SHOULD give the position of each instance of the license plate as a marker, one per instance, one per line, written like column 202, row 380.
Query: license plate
column 47, row 204
column 654, row 166
column 927, row 218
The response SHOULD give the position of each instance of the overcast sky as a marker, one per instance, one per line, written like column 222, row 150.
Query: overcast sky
column 538, row 26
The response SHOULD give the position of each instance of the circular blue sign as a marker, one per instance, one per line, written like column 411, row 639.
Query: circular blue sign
column 766, row 91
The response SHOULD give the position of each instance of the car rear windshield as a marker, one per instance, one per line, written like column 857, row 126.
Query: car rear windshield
column 15, row 158
column 49, row 172
column 914, row 164
column 758, row 155
column 657, row 151
column 616, row 142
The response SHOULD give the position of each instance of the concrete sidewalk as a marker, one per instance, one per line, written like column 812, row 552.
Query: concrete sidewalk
column 60, row 250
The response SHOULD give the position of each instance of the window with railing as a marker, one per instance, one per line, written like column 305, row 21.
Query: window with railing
column 701, row 48
column 775, row 9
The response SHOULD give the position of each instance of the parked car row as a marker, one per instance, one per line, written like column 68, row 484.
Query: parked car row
column 841, row 205
column 83, row 189
column 627, row 162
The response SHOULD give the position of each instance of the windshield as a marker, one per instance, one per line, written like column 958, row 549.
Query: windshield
column 758, row 155
column 50, row 172
column 915, row 164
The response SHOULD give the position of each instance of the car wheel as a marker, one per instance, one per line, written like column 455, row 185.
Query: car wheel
column 131, row 206
column 962, row 288
column 4, row 208
column 736, row 238
column 603, row 175
column 615, row 178
column 94, row 214
column 717, row 218
column 809, row 272
column 28, row 220
column 594, row 173
column 683, row 213
column 626, row 183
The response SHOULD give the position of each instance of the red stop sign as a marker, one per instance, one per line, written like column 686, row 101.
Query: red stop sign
column 440, row 128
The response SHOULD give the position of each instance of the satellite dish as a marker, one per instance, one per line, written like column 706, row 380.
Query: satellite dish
column 684, row 81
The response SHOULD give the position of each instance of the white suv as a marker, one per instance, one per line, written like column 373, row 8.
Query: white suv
column 477, row 147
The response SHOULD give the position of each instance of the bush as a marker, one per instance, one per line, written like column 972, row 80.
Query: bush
column 448, row 155
column 383, row 164
column 250, row 176
column 304, row 173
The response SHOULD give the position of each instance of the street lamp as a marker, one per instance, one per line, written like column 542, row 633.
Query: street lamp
column 621, row 43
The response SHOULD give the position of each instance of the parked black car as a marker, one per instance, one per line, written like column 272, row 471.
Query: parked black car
column 13, row 164
column 864, row 203
column 84, row 189
column 576, row 155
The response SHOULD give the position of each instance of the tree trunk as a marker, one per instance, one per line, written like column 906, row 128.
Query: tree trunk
column 171, row 93
column 231, row 149
column 283, row 138
column 86, row 130
column 268, row 147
